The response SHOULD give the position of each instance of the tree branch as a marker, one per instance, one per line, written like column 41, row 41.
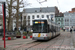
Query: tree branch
column 7, row 2
column 20, row 2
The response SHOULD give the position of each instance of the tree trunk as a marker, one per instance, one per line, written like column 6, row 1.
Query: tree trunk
column 17, row 17
column 9, row 19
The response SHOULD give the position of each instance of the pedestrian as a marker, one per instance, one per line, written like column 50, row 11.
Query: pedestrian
column 24, row 28
column 74, row 30
column 27, row 32
column 71, row 30
column 15, row 29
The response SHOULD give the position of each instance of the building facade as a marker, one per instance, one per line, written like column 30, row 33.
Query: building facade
column 30, row 14
column 69, row 20
column 60, row 20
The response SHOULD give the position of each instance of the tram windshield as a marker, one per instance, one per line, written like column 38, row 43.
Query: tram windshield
column 40, row 26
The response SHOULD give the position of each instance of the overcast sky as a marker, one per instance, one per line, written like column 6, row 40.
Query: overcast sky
column 63, row 5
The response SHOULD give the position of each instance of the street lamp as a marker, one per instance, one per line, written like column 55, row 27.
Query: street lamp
column 4, row 18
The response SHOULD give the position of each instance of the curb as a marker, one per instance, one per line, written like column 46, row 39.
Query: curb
column 1, row 48
column 9, row 38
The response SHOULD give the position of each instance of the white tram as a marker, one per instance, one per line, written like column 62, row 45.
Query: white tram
column 44, row 29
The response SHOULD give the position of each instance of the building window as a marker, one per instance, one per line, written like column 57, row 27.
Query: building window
column 24, row 17
column 65, row 20
column 28, row 17
column 42, row 16
column 28, row 22
column 58, row 19
column 35, row 10
column 48, row 16
column 51, row 15
column 37, row 16
column 58, row 23
column 62, row 19
column 32, row 16
column 40, row 10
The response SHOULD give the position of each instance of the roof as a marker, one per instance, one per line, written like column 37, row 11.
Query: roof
column 59, row 16
column 37, row 10
column 40, row 19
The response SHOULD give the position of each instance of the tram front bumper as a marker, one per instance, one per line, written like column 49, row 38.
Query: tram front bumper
column 40, row 38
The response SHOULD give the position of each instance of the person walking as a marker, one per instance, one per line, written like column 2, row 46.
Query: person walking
column 71, row 30
column 74, row 30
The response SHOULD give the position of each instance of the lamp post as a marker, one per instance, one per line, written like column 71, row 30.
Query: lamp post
column 4, row 19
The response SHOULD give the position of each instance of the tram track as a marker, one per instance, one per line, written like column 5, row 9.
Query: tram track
column 53, row 45
column 46, row 44
column 61, row 43
column 35, row 43
column 53, row 41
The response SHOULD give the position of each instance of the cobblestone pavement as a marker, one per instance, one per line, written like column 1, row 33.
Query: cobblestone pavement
column 65, row 41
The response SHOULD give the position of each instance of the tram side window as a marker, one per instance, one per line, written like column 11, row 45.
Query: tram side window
column 48, row 30
column 52, row 28
column 56, row 28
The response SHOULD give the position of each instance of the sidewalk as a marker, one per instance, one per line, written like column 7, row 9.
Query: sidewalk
column 73, row 38
column 15, row 43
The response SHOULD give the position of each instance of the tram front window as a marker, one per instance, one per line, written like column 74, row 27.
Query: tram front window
column 39, row 27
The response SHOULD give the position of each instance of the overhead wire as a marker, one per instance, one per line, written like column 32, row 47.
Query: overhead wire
column 58, row 4
column 39, row 2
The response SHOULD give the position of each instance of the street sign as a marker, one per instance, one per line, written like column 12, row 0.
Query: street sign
column 2, row 0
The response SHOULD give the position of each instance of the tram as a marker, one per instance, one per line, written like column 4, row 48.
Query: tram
column 44, row 29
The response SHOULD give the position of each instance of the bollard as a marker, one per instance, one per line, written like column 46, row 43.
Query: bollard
column 30, row 36
column 24, row 37
column 9, row 38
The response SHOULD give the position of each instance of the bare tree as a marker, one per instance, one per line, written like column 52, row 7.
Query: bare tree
column 9, row 10
column 14, row 5
column 17, row 7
